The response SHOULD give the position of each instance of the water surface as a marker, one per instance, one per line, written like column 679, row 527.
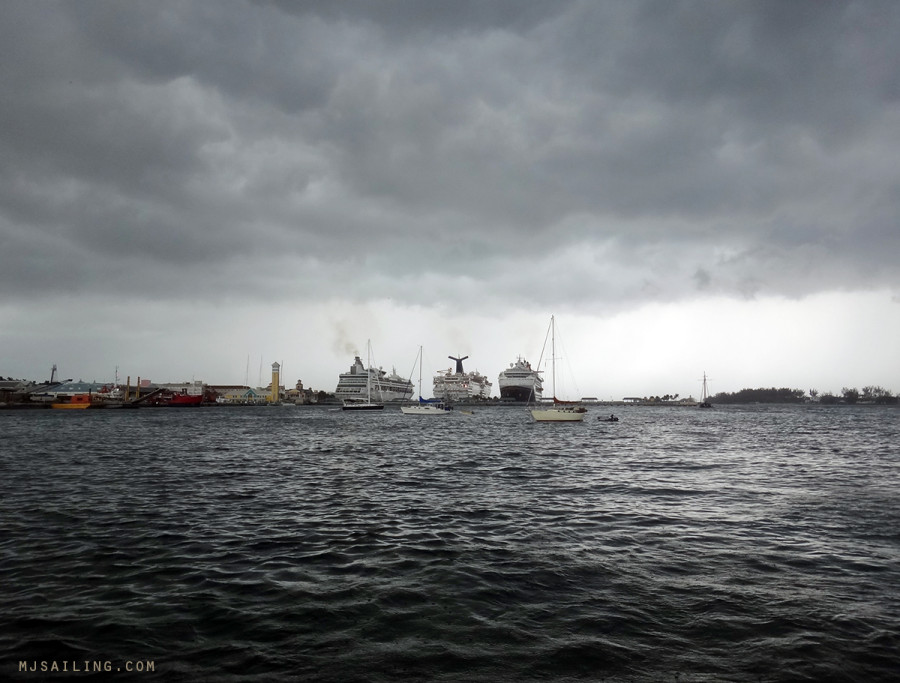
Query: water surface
column 294, row 543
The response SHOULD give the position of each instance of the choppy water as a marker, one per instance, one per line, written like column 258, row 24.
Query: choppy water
column 737, row 544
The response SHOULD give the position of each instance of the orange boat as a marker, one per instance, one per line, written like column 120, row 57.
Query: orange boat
column 77, row 402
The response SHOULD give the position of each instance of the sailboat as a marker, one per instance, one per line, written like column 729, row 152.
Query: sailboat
column 704, row 395
column 368, row 404
column 425, row 406
column 560, row 411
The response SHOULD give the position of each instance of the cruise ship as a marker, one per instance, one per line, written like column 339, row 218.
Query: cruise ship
column 451, row 386
column 385, row 387
column 519, row 381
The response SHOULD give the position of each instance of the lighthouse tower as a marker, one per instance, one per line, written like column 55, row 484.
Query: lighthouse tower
column 275, row 395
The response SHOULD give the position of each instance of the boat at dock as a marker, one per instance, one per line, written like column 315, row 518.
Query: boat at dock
column 360, row 383
column 520, row 381
column 89, row 400
column 353, row 397
column 76, row 402
column 165, row 398
column 460, row 386
column 184, row 400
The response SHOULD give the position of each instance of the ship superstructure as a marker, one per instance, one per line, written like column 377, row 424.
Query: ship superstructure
column 352, row 385
column 520, row 381
column 457, row 385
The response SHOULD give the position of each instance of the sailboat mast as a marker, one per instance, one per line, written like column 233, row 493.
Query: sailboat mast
column 420, row 372
column 368, row 370
column 553, row 353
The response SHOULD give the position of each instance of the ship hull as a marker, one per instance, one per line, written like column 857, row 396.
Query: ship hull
column 455, row 389
column 517, row 393
column 185, row 400
column 557, row 415
column 76, row 402
column 363, row 406
column 349, row 393
column 424, row 410
column 520, row 382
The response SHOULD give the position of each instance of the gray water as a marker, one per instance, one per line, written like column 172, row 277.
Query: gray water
column 294, row 543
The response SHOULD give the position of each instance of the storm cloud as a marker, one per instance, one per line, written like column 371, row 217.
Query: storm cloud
column 617, row 154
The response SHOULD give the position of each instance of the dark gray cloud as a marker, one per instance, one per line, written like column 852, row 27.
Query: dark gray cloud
column 651, row 150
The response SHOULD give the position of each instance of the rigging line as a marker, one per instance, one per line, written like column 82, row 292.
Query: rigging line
column 566, row 357
column 531, row 394
column 377, row 373
column 415, row 363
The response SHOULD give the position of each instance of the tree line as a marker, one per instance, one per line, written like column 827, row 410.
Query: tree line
column 869, row 394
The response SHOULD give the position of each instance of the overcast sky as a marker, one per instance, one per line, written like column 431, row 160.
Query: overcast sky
column 193, row 190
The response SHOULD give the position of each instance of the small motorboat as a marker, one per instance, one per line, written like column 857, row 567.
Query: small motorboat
column 611, row 418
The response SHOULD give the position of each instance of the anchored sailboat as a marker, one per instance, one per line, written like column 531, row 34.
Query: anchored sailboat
column 560, row 411
column 425, row 407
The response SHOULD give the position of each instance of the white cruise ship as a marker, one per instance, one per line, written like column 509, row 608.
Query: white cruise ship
column 519, row 381
column 458, row 385
column 352, row 385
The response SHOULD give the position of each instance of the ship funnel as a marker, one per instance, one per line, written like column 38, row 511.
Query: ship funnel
column 459, row 365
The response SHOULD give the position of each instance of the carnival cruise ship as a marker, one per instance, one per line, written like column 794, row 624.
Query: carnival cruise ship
column 519, row 381
column 459, row 385
column 384, row 387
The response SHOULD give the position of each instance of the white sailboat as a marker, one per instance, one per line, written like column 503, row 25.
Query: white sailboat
column 425, row 407
column 560, row 411
column 704, row 394
column 368, row 404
